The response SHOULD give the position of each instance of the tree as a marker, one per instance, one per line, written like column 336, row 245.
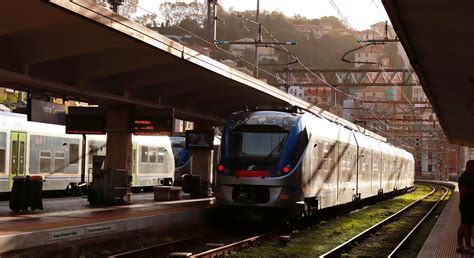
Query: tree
column 148, row 20
column 175, row 13
column 126, row 8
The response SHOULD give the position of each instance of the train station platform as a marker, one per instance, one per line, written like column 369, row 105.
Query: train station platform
column 70, row 220
column 442, row 241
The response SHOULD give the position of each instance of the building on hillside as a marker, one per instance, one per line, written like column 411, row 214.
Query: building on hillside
column 296, row 91
column 263, row 52
column 309, row 31
column 418, row 94
column 378, row 29
column 363, row 56
column 6, row 93
column 319, row 96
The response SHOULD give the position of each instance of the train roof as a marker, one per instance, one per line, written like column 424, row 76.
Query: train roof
column 18, row 122
column 283, row 119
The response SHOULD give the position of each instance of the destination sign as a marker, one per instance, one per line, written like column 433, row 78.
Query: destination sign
column 153, row 122
column 86, row 120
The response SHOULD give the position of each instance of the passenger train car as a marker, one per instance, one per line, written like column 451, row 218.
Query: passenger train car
column 30, row 148
column 300, row 163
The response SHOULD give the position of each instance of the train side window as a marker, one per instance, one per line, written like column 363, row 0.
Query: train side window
column 144, row 154
column 59, row 161
column 153, row 155
column 92, row 151
column 2, row 161
column 45, row 161
column 161, row 156
column 73, row 153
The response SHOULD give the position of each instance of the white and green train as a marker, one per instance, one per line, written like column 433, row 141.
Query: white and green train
column 30, row 148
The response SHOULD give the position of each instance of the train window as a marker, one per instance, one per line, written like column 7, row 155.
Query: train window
column 144, row 151
column 45, row 161
column 257, row 144
column 3, row 152
column 161, row 156
column 59, row 161
column 73, row 153
column 153, row 155
column 92, row 151
column 2, row 161
column 14, row 157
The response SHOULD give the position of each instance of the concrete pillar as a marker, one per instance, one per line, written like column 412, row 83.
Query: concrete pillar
column 202, row 162
column 113, row 184
column 119, row 140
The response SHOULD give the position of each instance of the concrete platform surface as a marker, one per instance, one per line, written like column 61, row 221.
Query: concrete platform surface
column 66, row 219
column 442, row 241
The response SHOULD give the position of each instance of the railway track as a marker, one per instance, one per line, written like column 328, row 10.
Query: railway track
column 384, row 239
column 215, row 244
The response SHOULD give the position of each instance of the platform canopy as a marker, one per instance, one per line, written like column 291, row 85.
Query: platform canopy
column 438, row 37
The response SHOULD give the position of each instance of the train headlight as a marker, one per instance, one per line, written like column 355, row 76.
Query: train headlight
column 285, row 169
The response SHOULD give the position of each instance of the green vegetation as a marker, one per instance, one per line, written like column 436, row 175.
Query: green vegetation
column 323, row 237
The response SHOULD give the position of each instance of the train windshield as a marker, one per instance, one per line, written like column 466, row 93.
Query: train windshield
column 256, row 147
column 256, row 144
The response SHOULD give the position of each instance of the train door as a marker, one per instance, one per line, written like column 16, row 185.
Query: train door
column 17, row 155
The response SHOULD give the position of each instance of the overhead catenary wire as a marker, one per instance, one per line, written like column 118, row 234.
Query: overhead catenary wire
column 263, row 70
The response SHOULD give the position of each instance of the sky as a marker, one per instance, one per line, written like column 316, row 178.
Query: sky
column 360, row 14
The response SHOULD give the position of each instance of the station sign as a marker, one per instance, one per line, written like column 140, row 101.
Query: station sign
column 86, row 120
column 46, row 112
column 153, row 121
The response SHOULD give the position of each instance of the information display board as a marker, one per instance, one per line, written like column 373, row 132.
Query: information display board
column 86, row 120
column 46, row 112
column 199, row 140
column 153, row 122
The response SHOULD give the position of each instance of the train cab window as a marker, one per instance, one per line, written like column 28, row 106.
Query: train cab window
column 257, row 144
column 45, row 161
column 73, row 153
column 144, row 154
column 3, row 152
column 59, row 161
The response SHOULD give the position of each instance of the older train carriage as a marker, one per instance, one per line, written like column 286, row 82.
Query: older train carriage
column 30, row 148
column 300, row 162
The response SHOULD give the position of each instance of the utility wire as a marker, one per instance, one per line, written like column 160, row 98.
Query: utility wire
column 265, row 71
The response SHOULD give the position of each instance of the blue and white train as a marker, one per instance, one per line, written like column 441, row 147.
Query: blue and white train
column 30, row 148
column 300, row 163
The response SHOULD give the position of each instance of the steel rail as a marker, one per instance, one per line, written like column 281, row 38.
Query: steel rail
column 337, row 250
column 141, row 251
column 398, row 247
column 239, row 245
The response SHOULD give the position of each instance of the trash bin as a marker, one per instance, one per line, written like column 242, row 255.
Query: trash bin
column 35, row 189
column 18, row 195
